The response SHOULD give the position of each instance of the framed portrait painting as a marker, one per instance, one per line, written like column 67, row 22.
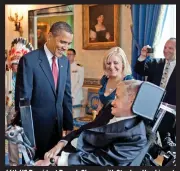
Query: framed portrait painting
column 42, row 31
column 101, row 26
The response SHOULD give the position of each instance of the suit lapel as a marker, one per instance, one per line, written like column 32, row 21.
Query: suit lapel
column 172, row 78
column 160, row 71
column 44, row 64
column 119, row 126
column 108, row 133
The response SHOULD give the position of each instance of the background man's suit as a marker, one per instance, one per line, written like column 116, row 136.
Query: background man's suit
column 153, row 68
column 101, row 144
column 51, row 109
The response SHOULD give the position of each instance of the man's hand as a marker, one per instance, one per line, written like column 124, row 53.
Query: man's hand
column 66, row 132
column 144, row 53
column 45, row 162
column 54, row 151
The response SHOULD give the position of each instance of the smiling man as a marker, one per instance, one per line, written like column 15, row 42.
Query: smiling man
column 162, row 72
column 44, row 78
column 115, row 143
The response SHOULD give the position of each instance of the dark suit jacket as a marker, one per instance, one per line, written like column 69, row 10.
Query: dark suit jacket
column 102, row 144
column 35, row 82
column 116, row 144
column 153, row 68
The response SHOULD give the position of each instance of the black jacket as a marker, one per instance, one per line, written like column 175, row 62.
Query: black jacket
column 116, row 144
column 153, row 68
column 100, row 144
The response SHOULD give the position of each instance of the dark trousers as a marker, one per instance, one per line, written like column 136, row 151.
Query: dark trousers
column 55, row 138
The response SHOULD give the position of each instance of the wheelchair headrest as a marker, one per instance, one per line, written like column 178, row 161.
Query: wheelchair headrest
column 147, row 100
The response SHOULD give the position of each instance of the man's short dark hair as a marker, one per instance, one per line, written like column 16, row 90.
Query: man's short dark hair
column 172, row 38
column 72, row 50
column 59, row 26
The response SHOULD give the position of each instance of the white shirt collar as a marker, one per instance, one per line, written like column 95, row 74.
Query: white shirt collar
column 116, row 119
column 173, row 63
column 49, row 56
column 48, row 53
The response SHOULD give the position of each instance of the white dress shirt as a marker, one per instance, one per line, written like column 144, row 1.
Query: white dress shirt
column 49, row 57
column 141, row 58
column 170, row 70
column 117, row 119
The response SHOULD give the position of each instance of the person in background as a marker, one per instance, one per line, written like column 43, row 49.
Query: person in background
column 19, row 47
column 117, row 69
column 162, row 72
column 41, row 38
column 13, row 152
column 77, row 78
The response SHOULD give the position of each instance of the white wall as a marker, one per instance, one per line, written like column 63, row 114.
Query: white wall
column 91, row 59
column 169, row 31
column 10, row 34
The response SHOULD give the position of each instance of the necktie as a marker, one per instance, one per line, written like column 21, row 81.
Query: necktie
column 54, row 71
column 165, row 75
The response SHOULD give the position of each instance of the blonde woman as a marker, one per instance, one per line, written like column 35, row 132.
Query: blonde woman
column 117, row 69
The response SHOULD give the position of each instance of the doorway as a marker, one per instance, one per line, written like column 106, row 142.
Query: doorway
column 41, row 20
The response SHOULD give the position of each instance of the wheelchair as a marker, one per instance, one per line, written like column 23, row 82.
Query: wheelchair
column 23, row 136
column 168, row 152
column 16, row 135
column 151, row 110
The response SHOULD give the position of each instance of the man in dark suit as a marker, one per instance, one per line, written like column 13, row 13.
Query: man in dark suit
column 162, row 72
column 44, row 78
column 116, row 141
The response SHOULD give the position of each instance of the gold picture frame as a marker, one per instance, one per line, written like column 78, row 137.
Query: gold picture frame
column 101, row 26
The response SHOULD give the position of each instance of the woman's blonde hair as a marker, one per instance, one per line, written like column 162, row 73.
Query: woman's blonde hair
column 117, row 51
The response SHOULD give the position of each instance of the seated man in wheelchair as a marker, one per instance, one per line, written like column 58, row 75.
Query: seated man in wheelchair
column 118, row 136
column 114, row 143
